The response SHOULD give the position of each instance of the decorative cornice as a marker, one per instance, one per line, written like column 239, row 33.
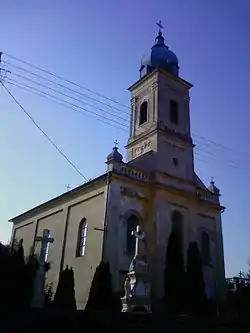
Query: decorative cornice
column 156, row 71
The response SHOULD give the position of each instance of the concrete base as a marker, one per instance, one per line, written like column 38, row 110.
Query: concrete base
column 136, row 305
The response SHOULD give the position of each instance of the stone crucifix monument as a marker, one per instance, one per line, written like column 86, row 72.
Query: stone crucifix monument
column 137, row 290
column 38, row 288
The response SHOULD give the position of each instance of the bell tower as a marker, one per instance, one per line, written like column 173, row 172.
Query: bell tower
column 160, row 120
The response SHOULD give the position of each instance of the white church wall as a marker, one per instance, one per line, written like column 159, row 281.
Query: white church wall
column 120, row 206
column 26, row 231
column 165, row 203
column 170, row 149
column 89, row 201
column 170, row 89
column 174, row 182
column 129, row 205
column 221, row 283
column 55, row 222
column 145, row 161
column 92, row 209
column 145, row 91
column 207, row 222
column 111, row 241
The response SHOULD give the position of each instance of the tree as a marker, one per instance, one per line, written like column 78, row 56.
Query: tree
column 65, row 293
column 100, row 295
column 48, row 295
column 12, row 278
column 17, row 276
column 174, row 273
column 238, row 298
column 196, row 296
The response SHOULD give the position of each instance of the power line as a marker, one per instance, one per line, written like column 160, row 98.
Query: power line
column 66, row 95
column 66, row 80
column 72, row 90
column 43, row 132
column 76, row 108
column 203, row 158
column 62, row 86
column 107, row 121
column 10, row 81
column 86, row 96
column 66, row 104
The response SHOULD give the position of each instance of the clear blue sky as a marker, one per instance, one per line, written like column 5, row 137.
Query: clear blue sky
column 99, row 45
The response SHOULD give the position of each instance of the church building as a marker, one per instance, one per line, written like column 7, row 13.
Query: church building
column 155, row 187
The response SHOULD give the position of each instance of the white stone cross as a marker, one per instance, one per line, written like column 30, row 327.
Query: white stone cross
column 38, row 290
column 45, row 239
column 139, row 236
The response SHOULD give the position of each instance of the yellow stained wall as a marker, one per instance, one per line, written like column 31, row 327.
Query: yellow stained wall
column 62, row 218
column 84, row 267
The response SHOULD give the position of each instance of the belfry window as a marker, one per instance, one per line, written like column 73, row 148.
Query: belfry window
column 132, row 223
column 205, row 248
column 81, row 239
column 143, row 113
column 174, row 112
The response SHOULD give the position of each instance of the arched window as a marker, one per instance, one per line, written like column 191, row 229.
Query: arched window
column 132, row 223
column 174, row 112
column 143, row 113
column 177, row 221
column 81, row 240
column 205, row 248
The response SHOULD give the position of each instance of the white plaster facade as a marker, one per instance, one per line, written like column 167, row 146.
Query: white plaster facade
column 151, row 186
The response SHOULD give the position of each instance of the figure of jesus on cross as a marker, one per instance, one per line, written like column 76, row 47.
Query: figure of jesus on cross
column 139, row 236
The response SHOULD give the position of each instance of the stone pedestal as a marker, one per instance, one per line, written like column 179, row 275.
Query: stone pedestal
column 137, row 289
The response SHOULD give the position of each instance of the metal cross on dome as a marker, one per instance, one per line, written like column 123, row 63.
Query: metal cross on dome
column 116, row 143
column 160, row 25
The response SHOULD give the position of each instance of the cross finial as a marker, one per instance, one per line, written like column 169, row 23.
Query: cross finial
column 139, row 236
column 116, row 143
column 45, row 239
column 159, row 25
column 212, row 180
column 68, row 187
